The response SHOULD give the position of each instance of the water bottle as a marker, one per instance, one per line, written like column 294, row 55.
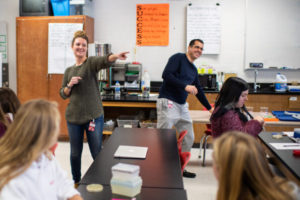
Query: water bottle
column 146, row 84
column 117, row 90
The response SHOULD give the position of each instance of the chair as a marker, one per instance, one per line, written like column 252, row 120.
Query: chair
column 53, row 148
column 184, row 159
column 184, row 156
column 180, row 139
column 207, row 133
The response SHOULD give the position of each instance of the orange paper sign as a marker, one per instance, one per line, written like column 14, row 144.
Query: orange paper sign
column 152, row 24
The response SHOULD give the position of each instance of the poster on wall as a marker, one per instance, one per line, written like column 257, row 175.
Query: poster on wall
column 60, row 54
column 152, row 24
column 204, row 22
column 3, row 41
column 0, row 69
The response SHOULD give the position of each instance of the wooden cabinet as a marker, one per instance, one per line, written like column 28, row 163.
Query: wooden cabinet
column 33, row 80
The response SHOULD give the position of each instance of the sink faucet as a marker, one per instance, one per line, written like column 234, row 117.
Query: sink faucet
column 255, row 83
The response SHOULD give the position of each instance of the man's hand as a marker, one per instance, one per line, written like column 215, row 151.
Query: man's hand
column 191, row 89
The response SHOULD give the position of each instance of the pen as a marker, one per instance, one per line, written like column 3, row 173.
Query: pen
column 292, row 145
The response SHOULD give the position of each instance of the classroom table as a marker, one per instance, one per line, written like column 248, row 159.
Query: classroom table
column 146, row 194
column 288, row 164
column 202, row 117
column 160, row 170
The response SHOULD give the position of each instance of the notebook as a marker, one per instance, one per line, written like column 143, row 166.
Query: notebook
column 125, row 151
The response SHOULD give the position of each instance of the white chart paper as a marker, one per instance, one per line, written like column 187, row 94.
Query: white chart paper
column 60, row 54
column 204, row 22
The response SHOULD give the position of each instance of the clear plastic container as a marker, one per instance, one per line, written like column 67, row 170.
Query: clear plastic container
column 130, row 187
column 281, row 83
column 118, row 90
column 146, row 124
column 125, row 171
column 146, row 84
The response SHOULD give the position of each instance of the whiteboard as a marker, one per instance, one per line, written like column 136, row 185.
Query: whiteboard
column 273, row 33
column 204, row 22
column 60, row 54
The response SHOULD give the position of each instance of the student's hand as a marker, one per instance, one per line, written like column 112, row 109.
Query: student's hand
column 211, row 110
column 191, row 89
column 259, row 119
column 74, row 80
column 121, row 56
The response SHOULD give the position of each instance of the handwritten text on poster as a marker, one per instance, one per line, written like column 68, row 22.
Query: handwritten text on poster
column 152, row 24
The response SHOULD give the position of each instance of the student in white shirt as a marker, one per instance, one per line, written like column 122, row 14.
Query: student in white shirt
column 27, row 169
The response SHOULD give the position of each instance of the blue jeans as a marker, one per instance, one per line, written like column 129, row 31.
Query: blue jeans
column 94, row 138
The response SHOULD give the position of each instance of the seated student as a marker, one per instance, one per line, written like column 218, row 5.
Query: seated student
column 27, row 169
column 243, row 173
column 230, row 113
column 9, row 102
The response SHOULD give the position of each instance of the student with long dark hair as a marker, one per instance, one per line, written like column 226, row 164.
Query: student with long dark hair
column 230, row 112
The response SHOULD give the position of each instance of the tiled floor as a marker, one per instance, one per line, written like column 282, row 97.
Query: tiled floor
column 204, row 186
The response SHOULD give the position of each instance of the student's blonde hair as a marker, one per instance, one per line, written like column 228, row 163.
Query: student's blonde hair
column 34, row 130
column 243, row 170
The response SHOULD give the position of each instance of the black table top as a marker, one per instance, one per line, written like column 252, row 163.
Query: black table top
column 160, row 169
column 291, row 162
column 146, row 194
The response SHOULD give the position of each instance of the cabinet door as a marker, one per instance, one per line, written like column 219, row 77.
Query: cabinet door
column 32, row 50
column 32, row 60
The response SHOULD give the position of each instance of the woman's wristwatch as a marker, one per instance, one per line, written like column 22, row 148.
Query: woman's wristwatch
column 69, row 87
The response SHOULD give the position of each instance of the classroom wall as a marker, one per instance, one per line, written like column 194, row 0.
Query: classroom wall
column 115, row 22
column 9, row 10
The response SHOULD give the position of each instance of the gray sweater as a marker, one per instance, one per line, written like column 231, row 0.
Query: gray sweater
column 85, row 102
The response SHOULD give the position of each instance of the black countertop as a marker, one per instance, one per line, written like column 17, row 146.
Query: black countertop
column 264, row 88
column 129, row 98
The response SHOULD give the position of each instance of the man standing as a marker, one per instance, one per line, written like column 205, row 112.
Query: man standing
column 180, row 77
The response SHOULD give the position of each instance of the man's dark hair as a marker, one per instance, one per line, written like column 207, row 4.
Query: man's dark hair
column 192, row 42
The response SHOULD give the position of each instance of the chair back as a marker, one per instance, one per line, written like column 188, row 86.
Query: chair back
column 53, row 148
column 208, row 126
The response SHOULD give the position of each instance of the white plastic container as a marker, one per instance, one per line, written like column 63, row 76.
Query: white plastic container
column 280, row 83
column 125, row 171
column 118, row 90
column 146, row 84
column 128, row 187
column 126, row 180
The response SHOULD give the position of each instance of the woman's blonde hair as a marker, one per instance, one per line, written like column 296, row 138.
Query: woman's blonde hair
column 34, row 130
column 80, row 34
column 243, row 170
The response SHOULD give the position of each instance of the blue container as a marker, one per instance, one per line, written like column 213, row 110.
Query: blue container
column 61, row 7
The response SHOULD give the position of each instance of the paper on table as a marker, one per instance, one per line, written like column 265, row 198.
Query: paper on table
column 288, row 133
column 286, row 146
